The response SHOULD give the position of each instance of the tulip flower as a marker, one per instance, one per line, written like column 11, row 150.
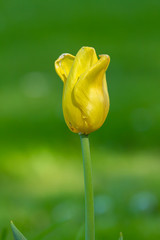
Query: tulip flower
column 85, row 108
column 85, row 95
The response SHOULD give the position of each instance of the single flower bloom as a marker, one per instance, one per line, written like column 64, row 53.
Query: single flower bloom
column 85, row 94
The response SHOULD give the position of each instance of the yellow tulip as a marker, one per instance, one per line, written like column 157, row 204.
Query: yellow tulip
column 85, row 95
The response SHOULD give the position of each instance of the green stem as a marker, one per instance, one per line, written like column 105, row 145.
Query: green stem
column 89, row 200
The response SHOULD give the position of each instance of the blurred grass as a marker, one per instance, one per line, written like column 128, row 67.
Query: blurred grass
column 40, row 190
column 41, row 175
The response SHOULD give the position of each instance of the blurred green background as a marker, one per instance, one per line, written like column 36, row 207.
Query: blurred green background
column 41, row 172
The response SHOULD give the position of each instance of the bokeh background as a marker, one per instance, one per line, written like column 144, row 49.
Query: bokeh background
column 41, row 172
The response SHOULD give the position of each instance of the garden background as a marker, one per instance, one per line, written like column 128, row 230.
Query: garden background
column 41, row 172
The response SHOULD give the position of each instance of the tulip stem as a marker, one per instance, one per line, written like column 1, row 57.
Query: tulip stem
column 89, row 198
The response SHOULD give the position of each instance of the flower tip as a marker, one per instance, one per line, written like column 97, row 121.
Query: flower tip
column 106, row 56
column 57, row 62
column 105, row 59
column 87, row 49
column 63, row 65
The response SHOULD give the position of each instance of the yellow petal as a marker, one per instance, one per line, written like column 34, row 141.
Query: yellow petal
column 63, row 65
column 90, row 94
column 85, row 58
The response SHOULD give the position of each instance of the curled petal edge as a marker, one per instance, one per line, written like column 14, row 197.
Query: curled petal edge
column 94, row 76
column 90, row 93
column 63, row 65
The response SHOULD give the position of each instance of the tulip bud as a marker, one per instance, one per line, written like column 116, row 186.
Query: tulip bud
column 85, row 95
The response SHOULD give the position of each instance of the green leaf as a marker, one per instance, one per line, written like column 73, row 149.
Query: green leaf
column 16, row 233
column 121, row 236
